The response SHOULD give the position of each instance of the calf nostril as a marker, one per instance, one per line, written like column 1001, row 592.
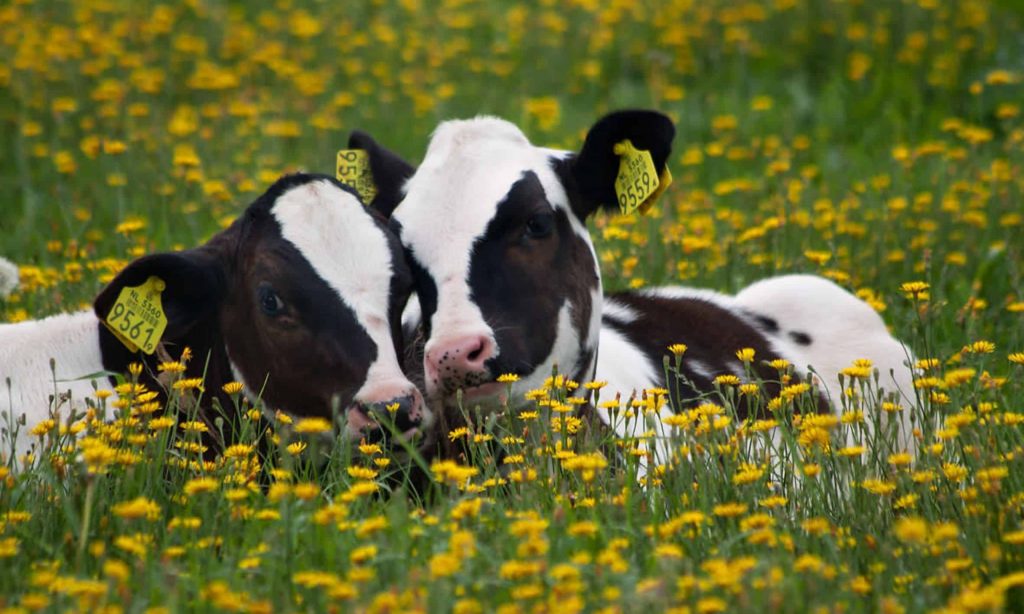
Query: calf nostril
column 477, row 353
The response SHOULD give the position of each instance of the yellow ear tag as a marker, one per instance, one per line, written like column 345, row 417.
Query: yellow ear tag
column 137, row 318
column 354, row 171
column 637, row 184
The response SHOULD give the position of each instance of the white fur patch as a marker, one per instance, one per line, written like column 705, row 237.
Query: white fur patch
column 620, row 312
column 842, row 329
column 718, row 299
column 629, row 372
column 699, row 367
column 8, row 277
column 73, row 342
column 317, row 218
column 625, row 367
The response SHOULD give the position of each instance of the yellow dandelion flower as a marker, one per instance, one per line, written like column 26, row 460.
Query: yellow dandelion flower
column 456, row 433
column 851, row 451
column 911, row 530
column 749, row 389
column 745, row 355
column 140, row 507
column 193, row 383
column 306, row 491
column 171, row 367
column 311, row 426
column 43, row 427
column 194, row 426
column 878, row 487
column 200, row 485
column 900, row 459
column 729, row 510
column 369, row 449
column 980, row 347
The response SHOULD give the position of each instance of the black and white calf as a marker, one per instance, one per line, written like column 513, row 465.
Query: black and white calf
column 508, row 280
column 299, row 299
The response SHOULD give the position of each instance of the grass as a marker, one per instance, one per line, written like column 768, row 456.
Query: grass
column 875, row 143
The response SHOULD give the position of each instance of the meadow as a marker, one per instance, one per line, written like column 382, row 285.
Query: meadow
column 877, row 143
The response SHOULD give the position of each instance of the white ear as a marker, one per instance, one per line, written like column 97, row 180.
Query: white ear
column 8, row 277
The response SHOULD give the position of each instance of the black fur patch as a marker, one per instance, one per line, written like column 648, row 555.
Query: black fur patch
column 800, row 337
column 712, row 335
column 770, row 324
column 521, row 282
column 596, row 166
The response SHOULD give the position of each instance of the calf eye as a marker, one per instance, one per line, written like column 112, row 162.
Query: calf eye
column 270, row 303
column 540, row 225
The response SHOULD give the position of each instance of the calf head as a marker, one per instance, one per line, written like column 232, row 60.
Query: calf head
column 299, row 299
column 495, row 232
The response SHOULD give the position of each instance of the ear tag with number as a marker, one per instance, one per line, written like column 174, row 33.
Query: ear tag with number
column 637, row 185
column 354, row 171
column 137, row 317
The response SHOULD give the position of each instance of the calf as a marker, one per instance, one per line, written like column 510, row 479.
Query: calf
column 508, row 280
column 299, row 300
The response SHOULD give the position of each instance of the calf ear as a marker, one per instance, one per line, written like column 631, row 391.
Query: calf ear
column 194, row 287
column 390, row 172
column 593, row 170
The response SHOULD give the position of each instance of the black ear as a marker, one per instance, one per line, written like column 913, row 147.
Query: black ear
column 593, row 170
column 194, row 287
column 389, row 170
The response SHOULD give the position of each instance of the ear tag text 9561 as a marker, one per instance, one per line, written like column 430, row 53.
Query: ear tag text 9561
column 354, row 170
column 638, row 184
column 137, row 317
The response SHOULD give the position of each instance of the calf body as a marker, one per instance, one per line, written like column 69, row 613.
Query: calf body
column 299, row 300
column 72, row 341
column 508, row 279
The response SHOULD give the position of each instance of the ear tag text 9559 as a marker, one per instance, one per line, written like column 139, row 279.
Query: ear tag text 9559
column 354, row 171
column 638, row 184
column 137, row 317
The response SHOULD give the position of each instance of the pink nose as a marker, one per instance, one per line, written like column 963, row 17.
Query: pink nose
column 458, row 357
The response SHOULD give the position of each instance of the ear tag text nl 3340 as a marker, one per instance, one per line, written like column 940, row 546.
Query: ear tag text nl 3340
column 137, row 317
column 354, row 171
column 638, row 184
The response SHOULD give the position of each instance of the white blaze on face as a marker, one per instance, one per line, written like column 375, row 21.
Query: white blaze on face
column 469, row 168
column 346, row 248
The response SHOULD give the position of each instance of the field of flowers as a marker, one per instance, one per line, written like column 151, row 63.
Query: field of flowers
column 879, row 143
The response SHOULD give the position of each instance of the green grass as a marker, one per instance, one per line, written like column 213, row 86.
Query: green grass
column 875, row 143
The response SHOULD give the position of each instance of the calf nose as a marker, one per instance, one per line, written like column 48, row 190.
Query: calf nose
column 406, row 412
column 457, row 357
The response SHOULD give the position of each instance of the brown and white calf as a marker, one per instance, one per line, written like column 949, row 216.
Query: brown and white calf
column 299, row 299
column 508, row 280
